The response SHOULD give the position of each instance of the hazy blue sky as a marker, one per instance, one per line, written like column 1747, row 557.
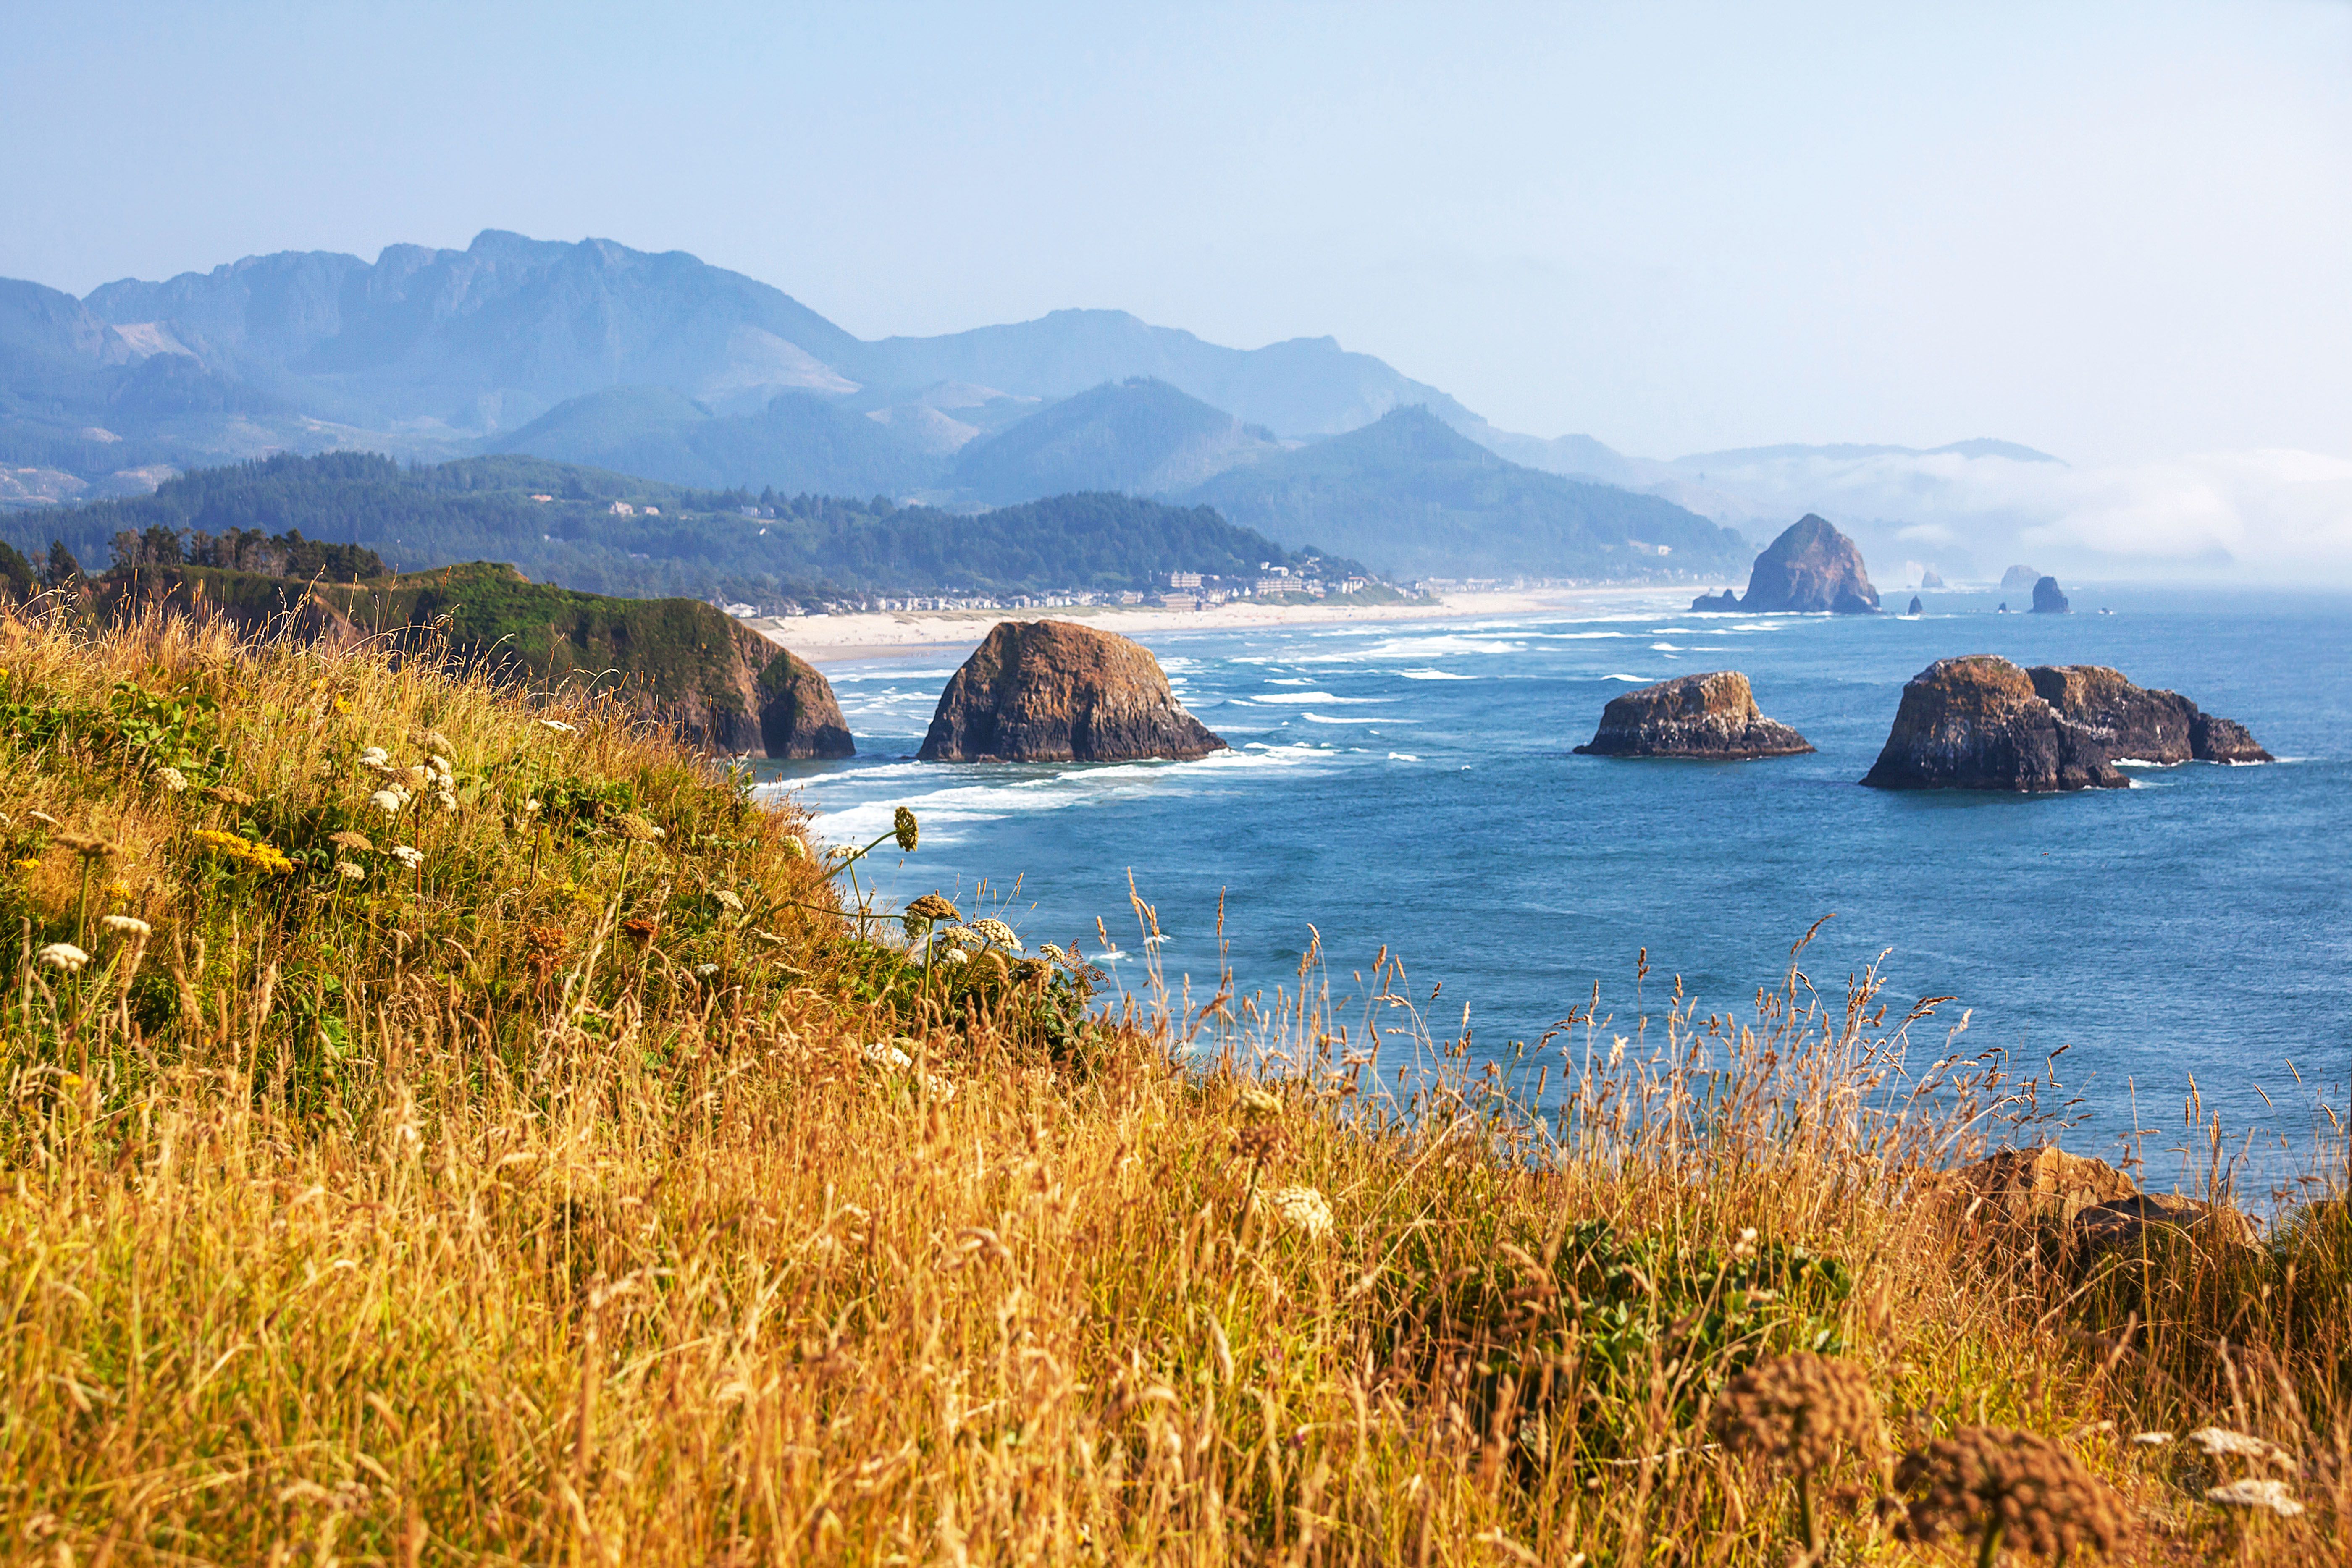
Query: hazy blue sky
column 2116, row 231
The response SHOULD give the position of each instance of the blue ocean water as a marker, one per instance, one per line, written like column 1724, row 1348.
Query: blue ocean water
column 1411, row 784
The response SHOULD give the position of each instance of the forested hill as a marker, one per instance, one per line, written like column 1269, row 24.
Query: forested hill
column 560, row 523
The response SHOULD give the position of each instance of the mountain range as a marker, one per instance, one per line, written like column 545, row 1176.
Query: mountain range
column 664, row 366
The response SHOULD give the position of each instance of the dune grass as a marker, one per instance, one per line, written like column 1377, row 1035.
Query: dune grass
column 597, row 1189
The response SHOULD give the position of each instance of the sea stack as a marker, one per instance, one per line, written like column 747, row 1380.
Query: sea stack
column 1053, row 691
column 799, row 716
column 2019, row 576
column 2141, row 724
column 2047, row 600
column 1711, row 716
column 1977, row 723
column 1915, row 609
column 1810, row 568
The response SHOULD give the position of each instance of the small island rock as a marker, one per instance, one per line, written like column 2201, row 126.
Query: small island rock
column 2019, row 576
column 1915, row 607
column 2141, row 724
column 1810, row 568
column 1710, row 715
column 1977, row 723
column 1054, row 691
column 2047, row 598
column 1930, row 578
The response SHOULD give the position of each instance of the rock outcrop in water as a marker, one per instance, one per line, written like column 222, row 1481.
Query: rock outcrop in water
column 1977, row 723
column 2047, row 598
column 1915, row 609
column 799, row 716
column 1053, row 691
column 2141, row 724
column 1810, row 568
column 1982, row 723
column 2018, row 577
column 1711, row 716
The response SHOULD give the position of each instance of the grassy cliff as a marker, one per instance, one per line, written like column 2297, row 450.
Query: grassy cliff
column 447, row 1128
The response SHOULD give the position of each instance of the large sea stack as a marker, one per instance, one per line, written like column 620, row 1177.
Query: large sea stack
column 2047, row 597
column 1053, row 691
column 1977, row 723
column 1711, row 716
column 2141, row 724
column 1810, row 568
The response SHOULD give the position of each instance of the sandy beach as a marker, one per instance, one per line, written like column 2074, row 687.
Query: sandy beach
column 881, row 634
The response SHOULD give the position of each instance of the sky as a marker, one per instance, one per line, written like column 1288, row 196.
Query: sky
column 2118, row 233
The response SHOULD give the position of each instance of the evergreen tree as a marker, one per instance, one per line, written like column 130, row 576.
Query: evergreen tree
column 63, row 569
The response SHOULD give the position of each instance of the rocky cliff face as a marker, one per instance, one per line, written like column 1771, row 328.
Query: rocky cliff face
column 1691, row 716
column 1810, row 568
column 1978, row 723
column 2140, row 724
column 799, row 716
column 1053, row 691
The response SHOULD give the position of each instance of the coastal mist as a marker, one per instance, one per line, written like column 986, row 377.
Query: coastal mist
column 2180, row 948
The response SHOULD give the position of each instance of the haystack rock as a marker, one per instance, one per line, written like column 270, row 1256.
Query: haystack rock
column 2047, row 598
column 2141, row 724
column 1712, row 715
column 1915, row 607
column 1977, row 723
column 2019, row 576
column 1812, row 567
column 1052, row 691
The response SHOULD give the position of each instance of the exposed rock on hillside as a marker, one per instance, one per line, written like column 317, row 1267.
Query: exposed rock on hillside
column 1691, row 716
column 1053, row 691
column 1812, row 567
column 2047, row 600
column 799, row 716
column 1977, row 723
column 2142, row 725
column 2086, row 1207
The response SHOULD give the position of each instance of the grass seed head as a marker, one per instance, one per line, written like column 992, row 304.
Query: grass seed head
column 1800, row 1411
column 2041, row 1498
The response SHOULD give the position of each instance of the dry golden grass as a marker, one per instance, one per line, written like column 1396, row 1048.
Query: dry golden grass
column 436, row 1220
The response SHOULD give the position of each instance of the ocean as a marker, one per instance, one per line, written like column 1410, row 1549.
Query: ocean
column 1411, row 784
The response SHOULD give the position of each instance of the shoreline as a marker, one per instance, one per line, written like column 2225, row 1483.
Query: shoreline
column 906, row 634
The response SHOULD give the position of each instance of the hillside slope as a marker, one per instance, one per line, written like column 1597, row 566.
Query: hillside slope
column 1139, row 435
column 1411, row 496
column 672, row 540
column 796, row 443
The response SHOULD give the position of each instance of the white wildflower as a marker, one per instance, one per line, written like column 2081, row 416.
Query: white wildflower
column 62, row 956
column 408, row 855
column 2269, row 1496
column 449, row 801
column 728, row 901
column 531, row 807
column 2151, row 1440
column 1052, row 951
column 377, row 757
column 350, row 872
column 964, row 939
column 557, row 725
column 958, row 955
column 999, row 932
column 385, row 802
column 128, row 925
column 1303, row 1208
column 1259, row 1100
column 705, row 971
column 418, row 776
column 171, row 778
column 438, row 763
column 882, row 1055
column 2218, row 1441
